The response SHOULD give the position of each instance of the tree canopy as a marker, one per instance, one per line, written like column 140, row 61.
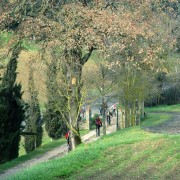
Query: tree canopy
column 133, row 36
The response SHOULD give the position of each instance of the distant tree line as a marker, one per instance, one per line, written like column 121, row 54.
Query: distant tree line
column 168, row 90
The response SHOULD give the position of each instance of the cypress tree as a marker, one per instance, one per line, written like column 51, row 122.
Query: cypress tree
column 33, row 121
column 54, row 124
column 11, row 110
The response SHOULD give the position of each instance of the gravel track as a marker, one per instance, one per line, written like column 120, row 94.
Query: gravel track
column 172, row 126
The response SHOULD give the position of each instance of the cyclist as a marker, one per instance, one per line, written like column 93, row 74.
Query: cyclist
column 98, row 125
column 67, row 136
column 108, row 119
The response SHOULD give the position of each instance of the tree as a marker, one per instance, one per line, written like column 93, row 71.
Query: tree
column 80, row 27
column 54, row 123
column 140, row 54
column 34, row 121
column 11, row 110
column 67, row 89
column 100, row 79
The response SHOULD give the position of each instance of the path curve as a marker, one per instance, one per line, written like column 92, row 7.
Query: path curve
column 172, row 126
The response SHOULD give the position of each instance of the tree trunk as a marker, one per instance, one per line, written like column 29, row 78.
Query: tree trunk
column 35, row 142
column 118, row 126
column 142, row 108
column 122, row 118
column 126, row 114
column 138, row 114
column 104, row 116
column 72, row 72
column 133, row 113
column 74, row 130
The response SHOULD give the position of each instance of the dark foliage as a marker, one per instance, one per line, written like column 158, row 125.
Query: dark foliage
column 178, row 44
column 11, row 111
column 33, row 130
column 33, row 121
column 169, row 92
column 54, row 123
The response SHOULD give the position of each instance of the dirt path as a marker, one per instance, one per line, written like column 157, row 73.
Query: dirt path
column 56, row 152
column 172, row 126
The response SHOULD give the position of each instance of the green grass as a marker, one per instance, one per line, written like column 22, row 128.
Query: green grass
column 125, row 154
column 27, row 45
column 130, row 153
column 47, row 145
column 172, row 108
column 30, row 46
column 154, row 119
column 39, row 151
column 4, row 38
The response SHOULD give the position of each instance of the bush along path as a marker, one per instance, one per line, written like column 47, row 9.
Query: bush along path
column 172, row 126
column 56, row 152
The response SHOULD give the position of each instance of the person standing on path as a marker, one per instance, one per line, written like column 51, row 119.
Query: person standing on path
column 108, row 119
column 98, row 125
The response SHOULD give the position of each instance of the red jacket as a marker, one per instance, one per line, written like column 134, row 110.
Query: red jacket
column 67, row 135
column 98, row 122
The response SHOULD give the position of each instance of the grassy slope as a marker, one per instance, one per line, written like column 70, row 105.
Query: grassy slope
column 47, row 145
column 127, row 154
column 172, row 108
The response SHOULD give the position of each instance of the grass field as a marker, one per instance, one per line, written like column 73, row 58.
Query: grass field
column 130, row 153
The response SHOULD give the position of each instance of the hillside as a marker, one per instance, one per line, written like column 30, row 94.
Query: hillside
column 31, row 58
column 27, row 59
column 65, row 61
column 131, row 153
